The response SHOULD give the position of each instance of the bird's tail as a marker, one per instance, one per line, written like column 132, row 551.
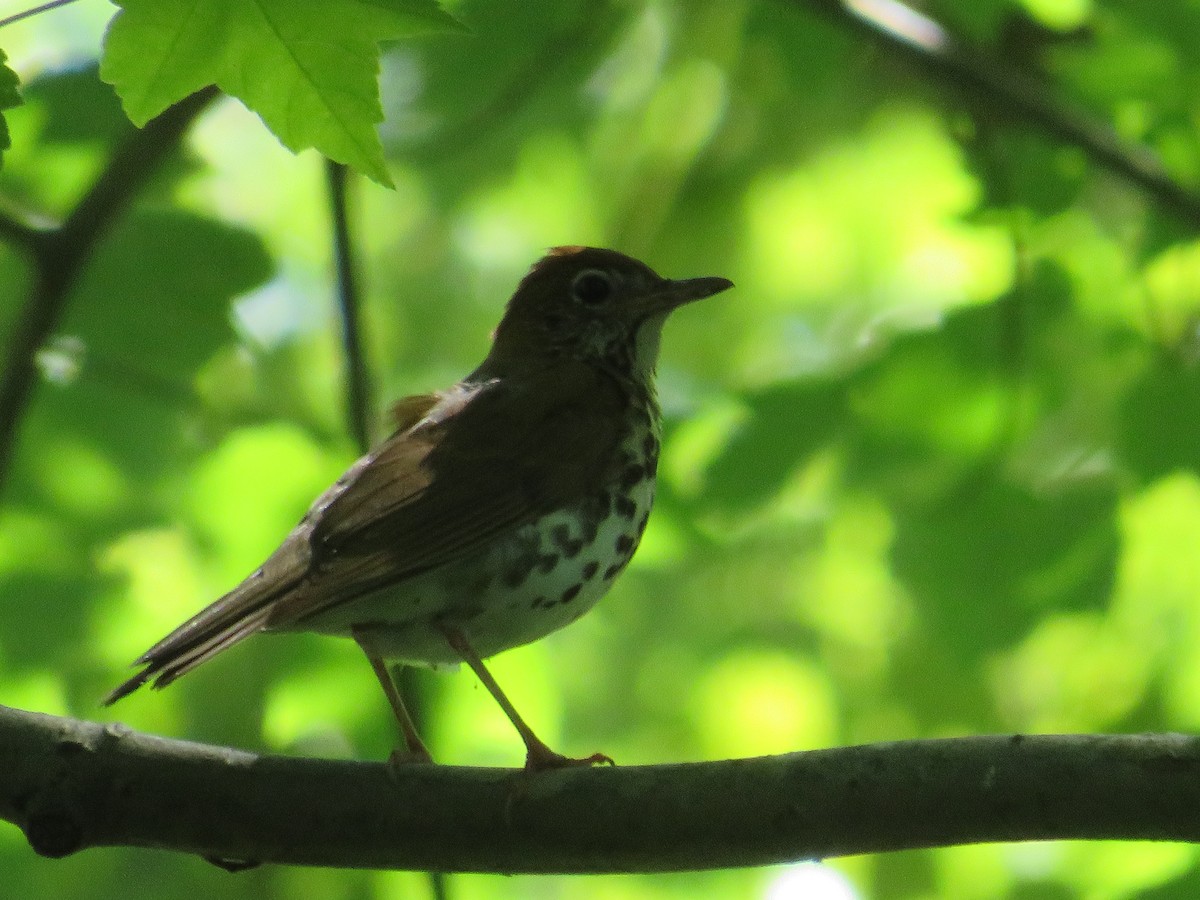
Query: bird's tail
column 237, row 615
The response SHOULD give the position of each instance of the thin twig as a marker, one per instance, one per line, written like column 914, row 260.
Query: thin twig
column 358, row 388
column 1011, row 92
column 61, row 253
column 359, row 405
column 70, row 785
column 37, row 10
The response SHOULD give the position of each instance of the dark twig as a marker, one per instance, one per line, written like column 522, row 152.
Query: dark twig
column 1010, row 92
column 70, row 785
column 358, row 388
column 60, row 254
column 34, row 11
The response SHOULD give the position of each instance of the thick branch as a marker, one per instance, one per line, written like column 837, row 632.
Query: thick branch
column 926, row 44
column 71, row 785
column 60, row 254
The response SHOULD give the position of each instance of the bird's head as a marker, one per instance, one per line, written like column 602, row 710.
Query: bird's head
column 597, row 306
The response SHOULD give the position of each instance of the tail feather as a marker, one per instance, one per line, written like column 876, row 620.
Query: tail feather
column 170, row 662
column 239, row 614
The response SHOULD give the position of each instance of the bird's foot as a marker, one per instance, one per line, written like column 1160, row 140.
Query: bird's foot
column 541, row 758
column 402, row 759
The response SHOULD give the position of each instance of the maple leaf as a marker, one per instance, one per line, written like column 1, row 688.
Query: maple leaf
column 310, row 70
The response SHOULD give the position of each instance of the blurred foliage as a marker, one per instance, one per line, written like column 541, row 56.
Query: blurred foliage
column 932, row 469
column 9, row 97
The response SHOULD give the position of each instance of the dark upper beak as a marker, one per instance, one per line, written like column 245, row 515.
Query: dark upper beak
column 672, row 294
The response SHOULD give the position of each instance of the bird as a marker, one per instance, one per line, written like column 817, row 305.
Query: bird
column 498, row 511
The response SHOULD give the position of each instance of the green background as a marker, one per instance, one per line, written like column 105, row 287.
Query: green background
column 929, row 470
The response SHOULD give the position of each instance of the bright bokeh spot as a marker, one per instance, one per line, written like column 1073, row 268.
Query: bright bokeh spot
column 1061, row 14
column 873, row 227
column 849, row 595
column 32, row 542
column 758, row 702
column 160, row 583
column 684, row 113
column 471, row 726
column 547, row 200
column 1104, row 283
column 1124, row 869
column 697, row 441
column 933, row 397
column 286, row 208
column 1158, row 584
column 1171, row 280
column 629, row 75
column 810, row 881
column 973, row 872
column 82, row 479
column 1073, row 673
column 40, row 691
column 315, row 707
column 262, row 479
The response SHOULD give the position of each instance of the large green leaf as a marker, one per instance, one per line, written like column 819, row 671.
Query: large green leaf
column 310, row 70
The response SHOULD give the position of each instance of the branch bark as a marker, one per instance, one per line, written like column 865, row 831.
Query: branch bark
column 71, row 785
column 1007, row 91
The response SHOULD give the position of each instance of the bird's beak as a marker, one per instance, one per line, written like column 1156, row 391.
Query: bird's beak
column 670, row 295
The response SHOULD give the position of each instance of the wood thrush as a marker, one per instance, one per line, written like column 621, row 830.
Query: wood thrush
column 499, row 511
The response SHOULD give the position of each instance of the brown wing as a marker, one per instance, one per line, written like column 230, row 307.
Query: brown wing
column 470, row 464
column 485, row 460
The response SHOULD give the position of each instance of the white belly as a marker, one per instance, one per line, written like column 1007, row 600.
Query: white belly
column 545, row 577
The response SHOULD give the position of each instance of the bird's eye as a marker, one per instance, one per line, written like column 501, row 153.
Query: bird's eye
column 592, row 286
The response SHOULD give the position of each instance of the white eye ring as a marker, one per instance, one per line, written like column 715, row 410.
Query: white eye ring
column 592, row 287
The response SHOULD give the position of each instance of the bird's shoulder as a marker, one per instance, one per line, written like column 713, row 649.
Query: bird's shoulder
column 505, row 447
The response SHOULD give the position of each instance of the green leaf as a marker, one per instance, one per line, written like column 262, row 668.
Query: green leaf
column 121, row 309
column 9, row 97
column 310, row 70
column 73, row 106
column 768, row 448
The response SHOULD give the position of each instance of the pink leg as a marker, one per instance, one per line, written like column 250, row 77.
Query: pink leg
column 537, row 755
column 415, row 750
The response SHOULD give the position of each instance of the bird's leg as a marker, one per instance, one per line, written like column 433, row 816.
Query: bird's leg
column 537, row 755
column 414, row 748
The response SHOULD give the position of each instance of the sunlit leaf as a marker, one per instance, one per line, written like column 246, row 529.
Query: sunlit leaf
column 309, row 70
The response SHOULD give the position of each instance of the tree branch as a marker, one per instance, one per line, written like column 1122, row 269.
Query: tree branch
column 35, row 11
column 60, row 254
column 70, row 785
column 933, row 50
